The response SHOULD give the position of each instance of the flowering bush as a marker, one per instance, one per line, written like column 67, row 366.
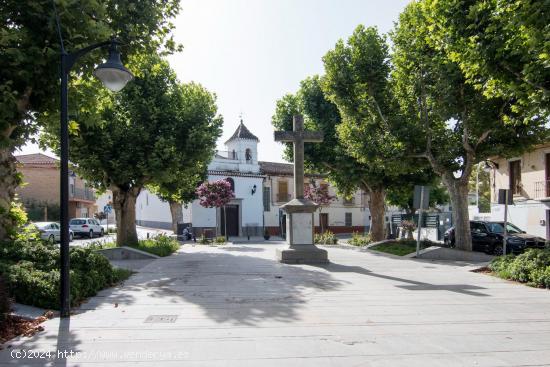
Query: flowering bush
column 319, row 195
column 408, row 228
column 215, row 194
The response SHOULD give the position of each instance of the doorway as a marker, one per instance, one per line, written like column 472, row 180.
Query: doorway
column 323, row 221
column 232, row 215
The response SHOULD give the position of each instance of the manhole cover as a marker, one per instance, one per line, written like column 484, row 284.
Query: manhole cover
column 161, row 319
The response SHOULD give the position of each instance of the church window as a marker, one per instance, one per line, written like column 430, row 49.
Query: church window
column 248, row 154
column 233, row 154
column 348, row 220
column 267, row 199
column 283, row 191
column 231, row 182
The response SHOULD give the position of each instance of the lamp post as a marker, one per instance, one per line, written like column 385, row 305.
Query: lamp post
column 114, row 76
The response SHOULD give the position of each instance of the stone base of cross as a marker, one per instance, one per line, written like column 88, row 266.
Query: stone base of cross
column 300, row 211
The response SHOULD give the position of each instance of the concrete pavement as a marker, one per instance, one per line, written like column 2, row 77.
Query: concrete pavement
column 235, row 306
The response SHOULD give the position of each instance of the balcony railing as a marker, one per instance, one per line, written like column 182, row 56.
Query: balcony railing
column 542, row 189
column 82, row 194
column 348, row 201
column 283, row 198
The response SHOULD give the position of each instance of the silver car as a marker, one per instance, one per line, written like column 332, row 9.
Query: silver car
column 51, row 231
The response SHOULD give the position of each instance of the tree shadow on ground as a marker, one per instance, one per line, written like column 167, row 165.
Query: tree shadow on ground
column 411, row 285
column 237, row 288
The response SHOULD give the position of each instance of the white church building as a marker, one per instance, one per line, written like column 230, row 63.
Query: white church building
column 260, row 189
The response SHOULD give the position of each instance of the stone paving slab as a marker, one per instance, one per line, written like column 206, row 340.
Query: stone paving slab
column 236, row 306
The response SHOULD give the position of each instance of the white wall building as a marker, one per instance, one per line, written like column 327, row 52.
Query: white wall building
column 260, row 189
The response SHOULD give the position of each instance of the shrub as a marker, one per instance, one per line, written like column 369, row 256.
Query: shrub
column 408, row 228
column 358, row 239
column 325, row 238
column 220, row 240
column 31, row 271
column 203, row 240
column 160, row 245
column 531, row 267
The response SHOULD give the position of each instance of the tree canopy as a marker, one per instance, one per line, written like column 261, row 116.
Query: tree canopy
column 150, row 133
column 29, row 66
column 447, row 120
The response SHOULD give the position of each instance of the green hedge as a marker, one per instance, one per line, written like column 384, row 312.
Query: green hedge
column 531, row 267
column 31, row 271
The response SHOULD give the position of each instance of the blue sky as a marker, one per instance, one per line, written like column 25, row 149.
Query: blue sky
column 252, row 52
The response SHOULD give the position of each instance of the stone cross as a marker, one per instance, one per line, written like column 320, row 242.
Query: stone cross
column 298, row 137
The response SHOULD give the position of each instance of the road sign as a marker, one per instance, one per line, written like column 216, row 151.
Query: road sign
column 421, row 195
column 107, row 209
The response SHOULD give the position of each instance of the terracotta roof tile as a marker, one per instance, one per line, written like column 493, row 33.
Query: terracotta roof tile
column 36, row 159
column 242, row 132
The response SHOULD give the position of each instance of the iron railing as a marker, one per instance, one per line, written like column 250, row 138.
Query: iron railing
column 82, row 194
column 542, row 189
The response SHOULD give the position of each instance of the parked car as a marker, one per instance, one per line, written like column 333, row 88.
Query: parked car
column 488, row 237
column 88, row 227
column 51, row 231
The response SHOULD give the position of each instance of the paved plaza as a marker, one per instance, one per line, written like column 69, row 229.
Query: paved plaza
column 236, row 306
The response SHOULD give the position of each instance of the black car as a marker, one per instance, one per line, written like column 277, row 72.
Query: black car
column 488, row 237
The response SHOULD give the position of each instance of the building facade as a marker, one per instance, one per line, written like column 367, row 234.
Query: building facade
column 528, row 178
column 260, row 188
column 41, row 185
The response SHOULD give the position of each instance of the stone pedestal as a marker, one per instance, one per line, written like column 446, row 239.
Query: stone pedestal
column 299, row 235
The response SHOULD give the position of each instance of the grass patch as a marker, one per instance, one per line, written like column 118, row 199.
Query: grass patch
column 531, row 267
column 401, row 247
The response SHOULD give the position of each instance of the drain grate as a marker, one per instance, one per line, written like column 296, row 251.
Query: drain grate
column 161, row 319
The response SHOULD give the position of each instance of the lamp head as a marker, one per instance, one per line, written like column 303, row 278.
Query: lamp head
column 112, row 73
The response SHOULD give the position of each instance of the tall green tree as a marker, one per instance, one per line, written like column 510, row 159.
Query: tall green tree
column 148, row 134
column 181, row 188
column 358, row 82
column 333, row 158
column 502, row 48
column 29, row 66
column 447, row 120
column 403, row 195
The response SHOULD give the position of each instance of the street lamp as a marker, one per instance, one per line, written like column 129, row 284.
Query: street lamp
column 114, row 76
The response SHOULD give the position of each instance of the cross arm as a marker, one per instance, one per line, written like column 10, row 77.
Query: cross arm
column 292, row 136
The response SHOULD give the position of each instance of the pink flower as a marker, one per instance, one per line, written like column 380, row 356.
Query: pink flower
column 215, row 194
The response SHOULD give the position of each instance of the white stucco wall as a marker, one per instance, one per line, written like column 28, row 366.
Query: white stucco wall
column 103, row 200
column 525, row 215
column 150, row 208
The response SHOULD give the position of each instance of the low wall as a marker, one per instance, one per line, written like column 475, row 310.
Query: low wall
column 126, row 253
column 445, row 253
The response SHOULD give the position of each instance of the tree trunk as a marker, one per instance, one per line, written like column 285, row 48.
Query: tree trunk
column 377, row 213
column 124, row 203
column 177, row 215
column 8, row 183
column 458, row 192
